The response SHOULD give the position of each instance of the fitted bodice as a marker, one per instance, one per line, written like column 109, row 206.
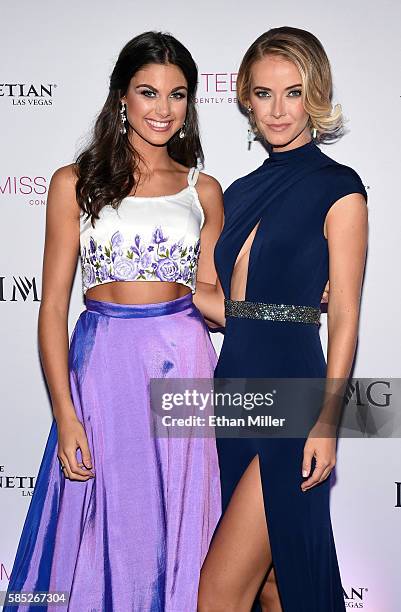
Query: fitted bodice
column 144, row 239
column 288, row 197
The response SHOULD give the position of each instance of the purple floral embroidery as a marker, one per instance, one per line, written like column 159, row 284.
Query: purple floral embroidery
column 124, row 269
column 146, row 259
column 158, row 236
column 176, row 250
column 167, row 270
column 103, row 273
column 117, row 240
column 186, row 273
column 88, row 275
column 143, row 260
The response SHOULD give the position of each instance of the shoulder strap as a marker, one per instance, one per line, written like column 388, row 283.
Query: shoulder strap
column 193, row 176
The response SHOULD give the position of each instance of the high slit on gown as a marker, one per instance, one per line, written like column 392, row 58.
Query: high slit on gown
column 286, row 200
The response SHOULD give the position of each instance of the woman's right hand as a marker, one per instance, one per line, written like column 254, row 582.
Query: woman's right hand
column 71, row 436
column 325, row 296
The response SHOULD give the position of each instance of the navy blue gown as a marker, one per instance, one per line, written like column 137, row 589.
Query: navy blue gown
column 290, row 195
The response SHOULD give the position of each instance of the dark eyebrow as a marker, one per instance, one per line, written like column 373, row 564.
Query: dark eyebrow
column 286, row 89
column 154, row 88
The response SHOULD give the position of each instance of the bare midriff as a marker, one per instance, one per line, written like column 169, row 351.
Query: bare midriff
column 137, row 292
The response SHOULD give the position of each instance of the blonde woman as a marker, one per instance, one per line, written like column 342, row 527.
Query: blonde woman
column 290, row 225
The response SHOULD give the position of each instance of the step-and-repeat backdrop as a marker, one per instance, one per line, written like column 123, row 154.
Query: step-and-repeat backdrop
column 56, row 59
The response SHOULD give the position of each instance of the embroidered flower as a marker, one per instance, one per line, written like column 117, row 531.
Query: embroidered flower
column 145, row 260
column 88, row 275
column 167, row 269
column 92, row 245
column 175, row 251
column 158, row 236
column 186, row 273
column 103, row 273
column 124, row 269
column 117, row 240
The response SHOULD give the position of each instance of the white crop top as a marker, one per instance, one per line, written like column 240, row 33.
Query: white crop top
column 145, row 238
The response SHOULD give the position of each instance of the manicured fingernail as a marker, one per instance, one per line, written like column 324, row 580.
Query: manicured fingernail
column 305, row 473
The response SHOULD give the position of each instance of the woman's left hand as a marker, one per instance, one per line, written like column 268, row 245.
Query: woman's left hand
column 323, row 448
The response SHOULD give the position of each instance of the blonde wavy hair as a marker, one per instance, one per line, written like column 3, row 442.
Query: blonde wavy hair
column 307, row 53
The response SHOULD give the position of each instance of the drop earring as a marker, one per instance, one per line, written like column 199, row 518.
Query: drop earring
column 314, row 133
column 251, row 132
column 251, row 137
column 123, row 116
column 182, row 131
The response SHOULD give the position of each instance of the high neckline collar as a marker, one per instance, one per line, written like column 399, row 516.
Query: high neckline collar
column 294, row 154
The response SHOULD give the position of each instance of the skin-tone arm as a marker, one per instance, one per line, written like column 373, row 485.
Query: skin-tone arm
column 209, row 297
column 347, row 230
column 59, row 265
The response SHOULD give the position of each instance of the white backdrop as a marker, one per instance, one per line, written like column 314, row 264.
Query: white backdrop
column 70, row 49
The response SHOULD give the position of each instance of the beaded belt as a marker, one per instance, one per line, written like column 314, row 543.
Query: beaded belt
column 272, row 312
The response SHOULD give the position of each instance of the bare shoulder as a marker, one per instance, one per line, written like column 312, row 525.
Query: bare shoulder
column 350, row 207
column 65, row 177
column 210, row 192
column 62, row 189
column 208, row 183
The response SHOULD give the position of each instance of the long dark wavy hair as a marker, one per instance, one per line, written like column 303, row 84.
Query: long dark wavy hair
column 106, row 168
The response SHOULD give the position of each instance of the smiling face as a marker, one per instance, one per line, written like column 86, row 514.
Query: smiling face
column 156, row 102
column 275, row 96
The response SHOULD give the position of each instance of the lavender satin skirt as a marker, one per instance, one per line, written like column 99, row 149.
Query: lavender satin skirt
column 134, row 537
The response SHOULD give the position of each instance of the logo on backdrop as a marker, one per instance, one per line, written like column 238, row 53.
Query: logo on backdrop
column 398, row 495
column 354, row 597
column 4, row 575
column 18, row 289
column 27, row 185
column 371, row 408
column 217, row 88
column 28, row 94
column 23, row 484
column 376, row 393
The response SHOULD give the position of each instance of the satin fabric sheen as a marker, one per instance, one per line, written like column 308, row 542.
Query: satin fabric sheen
column 134, row 538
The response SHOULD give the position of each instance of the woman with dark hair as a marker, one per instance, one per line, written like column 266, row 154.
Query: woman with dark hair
column 297, row 220
column 125, row 520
